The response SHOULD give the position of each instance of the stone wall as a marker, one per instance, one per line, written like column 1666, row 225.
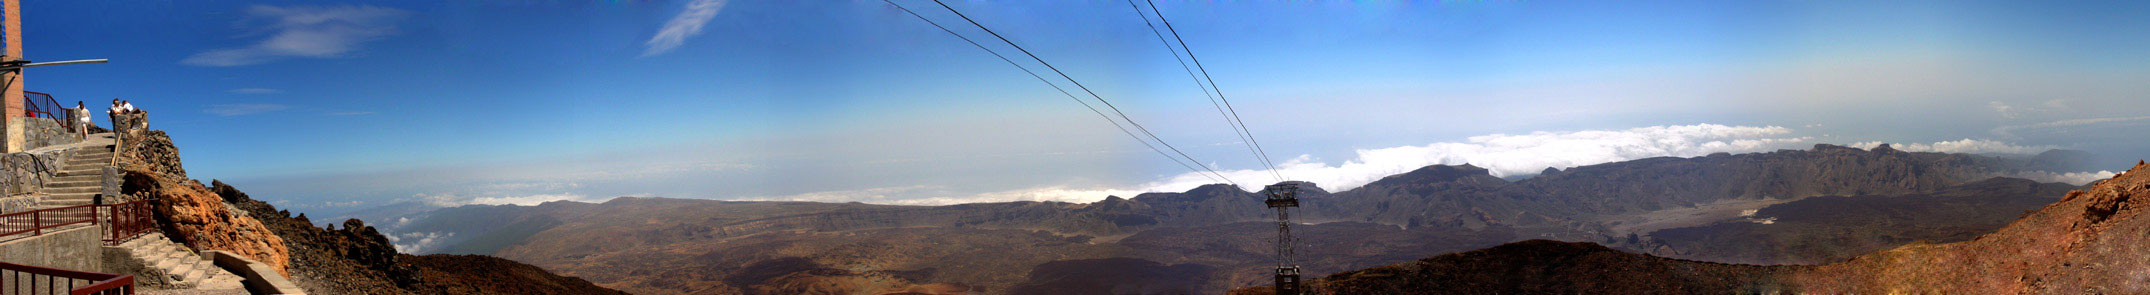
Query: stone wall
column 18, row 203
column 25, row 173
column 42, row 132
column 77, row 248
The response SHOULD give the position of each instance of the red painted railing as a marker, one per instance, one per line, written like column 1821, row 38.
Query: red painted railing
column 122, row 221
column 44, row 280
column 128, row 220
column 36, row 221
column 39, row 104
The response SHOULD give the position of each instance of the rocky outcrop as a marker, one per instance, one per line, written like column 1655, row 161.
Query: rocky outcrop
column 353, row 260
column 195, row 216
column 152, row 150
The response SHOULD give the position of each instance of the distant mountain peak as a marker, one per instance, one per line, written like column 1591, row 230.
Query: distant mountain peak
column 1215, row 187
column 1440, row 173
column 1827, row 147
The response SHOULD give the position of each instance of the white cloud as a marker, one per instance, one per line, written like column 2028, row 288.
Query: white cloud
column 417, row 243
column 255, row 91
column 687, row 24
column 2058, row 104
column 1522, row 154
column 1963, row 146
column 244, row 109
column 2011, row 129
column 316, row 32
column 1046, row 194
column 2005, row 110
column 1502, row 154
column 452, row 200
column 2075, row 178
column 871, row 195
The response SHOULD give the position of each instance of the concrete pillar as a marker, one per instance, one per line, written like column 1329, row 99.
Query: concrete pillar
column 13, row 97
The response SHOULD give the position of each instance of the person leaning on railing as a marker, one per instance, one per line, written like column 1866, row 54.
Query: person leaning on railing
column 119, row 126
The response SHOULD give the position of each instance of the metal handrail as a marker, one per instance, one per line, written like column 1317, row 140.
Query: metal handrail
column 38, row 223
column 129, row 220
column 98, row 283
column 35, row 104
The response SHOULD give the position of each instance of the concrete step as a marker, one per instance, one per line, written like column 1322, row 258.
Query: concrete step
column 190, row 270
column 63, row 203
column 92, row 157
column 73, row 190
column 72, row 201
column 162, row 260
column 89, row 172
column 76, row 183
column 92, row 178
column 140, row 245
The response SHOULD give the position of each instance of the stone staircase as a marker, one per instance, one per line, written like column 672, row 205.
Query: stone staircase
column 81, row 178
column 180, row 267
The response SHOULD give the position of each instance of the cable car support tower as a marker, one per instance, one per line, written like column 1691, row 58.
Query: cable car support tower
column 1283, row 197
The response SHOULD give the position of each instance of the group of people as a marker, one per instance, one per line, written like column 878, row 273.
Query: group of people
column 119, row 107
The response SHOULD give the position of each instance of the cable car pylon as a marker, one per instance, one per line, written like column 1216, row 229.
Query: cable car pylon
column 1283, row 197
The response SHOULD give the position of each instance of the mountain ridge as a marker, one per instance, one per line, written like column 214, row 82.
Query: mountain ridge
column 2084, row 243
column 1434, row 209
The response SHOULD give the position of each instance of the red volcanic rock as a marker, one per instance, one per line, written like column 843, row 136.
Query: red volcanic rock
column 197, row 217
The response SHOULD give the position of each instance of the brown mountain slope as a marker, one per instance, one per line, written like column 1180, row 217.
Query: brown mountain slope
column 2093, row 241
column 1554, row 267
column 479, row 274
column 1831, row 229
column 676, row 246
column 2090, row 242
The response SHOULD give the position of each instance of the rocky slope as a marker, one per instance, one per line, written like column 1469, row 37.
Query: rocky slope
column 195, row 216
column 355, row 259
column 2089, row 242
column 1216, row 237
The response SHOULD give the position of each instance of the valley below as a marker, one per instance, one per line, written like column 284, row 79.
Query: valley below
column 1790, row 207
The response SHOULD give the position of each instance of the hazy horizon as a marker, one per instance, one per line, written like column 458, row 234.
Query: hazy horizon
column 332, row 107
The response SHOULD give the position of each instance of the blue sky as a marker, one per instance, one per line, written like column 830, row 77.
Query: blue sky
column 333, row 106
